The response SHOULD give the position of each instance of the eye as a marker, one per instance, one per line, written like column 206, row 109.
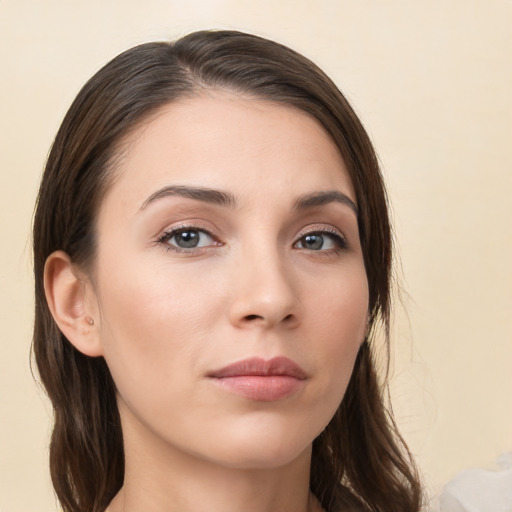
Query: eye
column 321, row 241
column 187, row 238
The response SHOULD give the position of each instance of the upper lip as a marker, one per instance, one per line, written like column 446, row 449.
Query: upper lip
column 256, row 366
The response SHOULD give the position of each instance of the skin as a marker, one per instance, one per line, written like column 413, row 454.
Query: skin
column 165, row 317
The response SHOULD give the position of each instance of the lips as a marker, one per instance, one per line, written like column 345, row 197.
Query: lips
column 261, row 380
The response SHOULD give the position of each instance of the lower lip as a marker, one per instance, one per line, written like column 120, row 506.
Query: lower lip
column 261, row 388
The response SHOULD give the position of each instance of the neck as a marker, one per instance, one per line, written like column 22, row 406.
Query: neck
column 160, row 478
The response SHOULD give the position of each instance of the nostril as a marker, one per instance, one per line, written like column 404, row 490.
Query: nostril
column 253, row 317
column 250, row 318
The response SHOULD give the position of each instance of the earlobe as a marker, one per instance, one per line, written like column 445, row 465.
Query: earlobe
column 68, row 293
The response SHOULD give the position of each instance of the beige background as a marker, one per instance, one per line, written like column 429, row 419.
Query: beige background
column 431, row 80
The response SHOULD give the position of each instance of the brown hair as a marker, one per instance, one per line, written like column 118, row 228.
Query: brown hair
column 359, row 462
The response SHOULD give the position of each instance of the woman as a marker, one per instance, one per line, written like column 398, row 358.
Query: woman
column 212, row 255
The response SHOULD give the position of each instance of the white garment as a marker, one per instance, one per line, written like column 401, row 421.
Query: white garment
column 478, row 490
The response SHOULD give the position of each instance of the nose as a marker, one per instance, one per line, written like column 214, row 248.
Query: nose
column 265, row 293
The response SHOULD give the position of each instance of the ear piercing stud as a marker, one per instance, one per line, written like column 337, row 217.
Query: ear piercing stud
column 90, row 320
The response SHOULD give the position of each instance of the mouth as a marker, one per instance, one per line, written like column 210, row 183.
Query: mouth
column 261, row 380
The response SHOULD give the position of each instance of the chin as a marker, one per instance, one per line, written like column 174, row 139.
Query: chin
column 262, row 456
column 265, row 447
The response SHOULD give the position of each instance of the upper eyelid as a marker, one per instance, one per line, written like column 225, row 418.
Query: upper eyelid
column 183, row 226
column 304, row 231
column 321, row 228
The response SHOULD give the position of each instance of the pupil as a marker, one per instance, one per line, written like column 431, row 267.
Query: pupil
column 187, row 239
column 313, row 241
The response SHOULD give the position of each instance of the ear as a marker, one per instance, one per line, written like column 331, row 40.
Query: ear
column 72, row 302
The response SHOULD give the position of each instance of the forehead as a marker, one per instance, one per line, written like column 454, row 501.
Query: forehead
column 223, row 140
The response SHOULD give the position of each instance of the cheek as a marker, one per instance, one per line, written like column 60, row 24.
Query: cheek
column 342, row 316
column 153, row 325
column 152, row 302
column 340, row 308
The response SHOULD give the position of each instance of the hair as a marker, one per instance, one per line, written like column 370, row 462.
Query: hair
column 359, row 462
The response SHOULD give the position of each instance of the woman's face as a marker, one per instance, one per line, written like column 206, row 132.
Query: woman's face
column 230, row 285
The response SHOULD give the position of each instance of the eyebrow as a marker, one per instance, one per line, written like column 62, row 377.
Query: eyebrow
column 322, row 198
column 218, row 197
column 206, row 195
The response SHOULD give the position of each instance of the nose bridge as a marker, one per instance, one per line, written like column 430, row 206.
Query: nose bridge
column 265, row 291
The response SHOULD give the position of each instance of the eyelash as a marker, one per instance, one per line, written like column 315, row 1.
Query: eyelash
column 339, row 240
